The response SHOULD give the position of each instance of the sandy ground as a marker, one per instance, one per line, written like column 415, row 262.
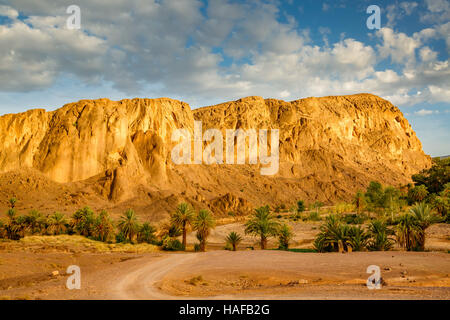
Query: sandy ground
column 243, row 275
column 26, row 272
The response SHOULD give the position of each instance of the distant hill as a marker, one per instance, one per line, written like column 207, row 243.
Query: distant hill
column 442, row 157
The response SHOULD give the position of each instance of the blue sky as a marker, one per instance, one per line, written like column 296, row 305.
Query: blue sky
column 207, row 52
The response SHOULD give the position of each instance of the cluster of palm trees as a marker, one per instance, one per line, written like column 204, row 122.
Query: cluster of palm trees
column 408, row 231
column 83, row 222
column 335, row 235
column 185, row 217
column 264, row 225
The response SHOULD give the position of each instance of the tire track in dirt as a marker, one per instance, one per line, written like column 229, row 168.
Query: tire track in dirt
column 141, row 283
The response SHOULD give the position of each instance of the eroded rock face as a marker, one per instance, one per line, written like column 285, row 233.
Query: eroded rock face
column 120, row 151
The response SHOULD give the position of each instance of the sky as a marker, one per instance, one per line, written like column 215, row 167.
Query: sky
column 206, row 52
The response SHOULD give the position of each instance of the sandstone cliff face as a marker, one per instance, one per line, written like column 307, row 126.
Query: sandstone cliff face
column 117, row 154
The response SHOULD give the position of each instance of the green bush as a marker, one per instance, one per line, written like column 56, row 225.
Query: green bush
column 354, row 218
column 300, row 206
column 120, row 238
column 171, row 244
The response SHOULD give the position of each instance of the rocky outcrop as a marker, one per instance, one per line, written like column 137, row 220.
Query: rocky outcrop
column 119, row 152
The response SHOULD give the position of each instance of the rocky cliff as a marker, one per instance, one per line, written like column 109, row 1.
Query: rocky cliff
column 115, row 155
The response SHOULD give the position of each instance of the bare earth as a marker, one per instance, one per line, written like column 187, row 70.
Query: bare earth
column 26, row 272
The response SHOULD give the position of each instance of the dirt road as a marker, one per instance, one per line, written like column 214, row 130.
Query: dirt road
column 142, row 282
column 285, row 275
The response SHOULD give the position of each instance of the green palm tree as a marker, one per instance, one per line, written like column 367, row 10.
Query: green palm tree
column 425, row 217
column 82, row 221
column 407, row 231
column 35, row 222
column 57, row 223
column 13, row 226
column 182, row 217
column 357, row 238
column 128, row 224
column 12, row 202
column 263, row 224
column 203, row 223
column 284, row 237
column 233, row 239
column 359, row 201
column 146, row 233
column 104, row 227
column 380, row 236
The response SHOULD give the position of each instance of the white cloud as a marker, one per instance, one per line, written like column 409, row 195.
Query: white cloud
column 172, row 46
column 425, row 112
column 438, row 11
column 398, row 46
column 9, row 12
column 397, row 11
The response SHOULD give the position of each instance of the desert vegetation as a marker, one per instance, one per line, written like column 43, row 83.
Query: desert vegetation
column 378, row 219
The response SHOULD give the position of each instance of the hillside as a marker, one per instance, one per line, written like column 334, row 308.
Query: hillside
column 117, row 154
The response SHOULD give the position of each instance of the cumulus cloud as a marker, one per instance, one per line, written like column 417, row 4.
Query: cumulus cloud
column 226, row 49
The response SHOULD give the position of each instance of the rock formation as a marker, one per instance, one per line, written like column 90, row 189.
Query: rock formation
column 115, row 155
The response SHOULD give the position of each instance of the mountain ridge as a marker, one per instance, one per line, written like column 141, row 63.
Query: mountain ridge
column 120, row 151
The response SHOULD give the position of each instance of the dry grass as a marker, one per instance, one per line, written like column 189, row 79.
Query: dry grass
column 80, row 241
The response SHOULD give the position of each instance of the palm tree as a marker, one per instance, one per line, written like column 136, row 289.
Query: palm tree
column 424, row 217
column 146, row 233
column 407, row 231
column 103, row 227
column 128, row 224
column 12, row 202
column 284, row 237
column 203, row 223
column 35, row 221
column 57, row 223
column 357, row 238
column 13, row 226
column 332, row 235
column 233, row 239
column 182, row 217
column 263, row 224
column 359, row 201
column 380, row 236
column 83, row 221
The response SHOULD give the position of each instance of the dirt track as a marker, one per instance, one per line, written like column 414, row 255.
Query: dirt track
column 285, row 275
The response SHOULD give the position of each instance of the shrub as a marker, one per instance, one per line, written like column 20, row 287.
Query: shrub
column 120, row 238
column 417, row 194
column 354, row 218
column 146, row 233
column 284, row 237
column 300, row 206
column 171, row 244
column 380, row 236
column 314, row 216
